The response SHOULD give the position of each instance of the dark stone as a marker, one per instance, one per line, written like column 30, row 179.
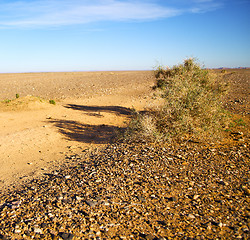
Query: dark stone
column 66, row 236
column 172, row 199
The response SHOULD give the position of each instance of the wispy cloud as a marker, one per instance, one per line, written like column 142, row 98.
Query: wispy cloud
column 201, row 6
column 39, row 13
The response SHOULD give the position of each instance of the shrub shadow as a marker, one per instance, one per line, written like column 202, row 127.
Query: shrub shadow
column 76, row 131
column 88, row 133
column 96, row 110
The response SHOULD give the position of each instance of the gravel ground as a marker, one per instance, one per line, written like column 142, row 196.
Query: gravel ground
column 140, row 191
column 136, row 192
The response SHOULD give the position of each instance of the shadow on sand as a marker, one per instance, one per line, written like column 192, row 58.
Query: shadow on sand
column 99, row 134
column 92, row 110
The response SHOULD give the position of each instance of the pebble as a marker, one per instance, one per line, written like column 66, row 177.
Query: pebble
column 196, row 197
column 191, row 216
column 66, row 236
column 38, row 231
column 134, row 190
column 92, row 203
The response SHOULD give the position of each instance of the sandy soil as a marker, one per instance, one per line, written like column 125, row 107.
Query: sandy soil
column 35, row 136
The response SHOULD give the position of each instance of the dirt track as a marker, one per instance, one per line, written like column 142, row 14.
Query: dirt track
column 36, row 135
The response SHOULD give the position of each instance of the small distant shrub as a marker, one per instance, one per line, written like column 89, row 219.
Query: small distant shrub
column 223, row 71
column 52, row 102
column 192, row 105
column 7, row 101
column 17, row 95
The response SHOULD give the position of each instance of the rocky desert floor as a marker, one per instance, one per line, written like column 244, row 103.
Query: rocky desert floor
column 62, row 176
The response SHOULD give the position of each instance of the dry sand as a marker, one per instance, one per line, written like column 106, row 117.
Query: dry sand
column 35, row 136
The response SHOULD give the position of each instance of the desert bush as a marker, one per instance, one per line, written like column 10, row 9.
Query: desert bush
column 52, row 102
column 142, row 127
column 191, row 109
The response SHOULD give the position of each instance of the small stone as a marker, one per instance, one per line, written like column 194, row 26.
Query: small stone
column 79, row 198
column 43, row 225
column 172, row 199
column 38, row 231
column 196, row 197
column 92, row 203
column 15, row 204
column 245, row 229
column 66, row 236
column 191, row 216
column 67, row 177
column 246, row 190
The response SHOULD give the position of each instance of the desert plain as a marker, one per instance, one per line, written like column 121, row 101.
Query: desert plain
column 63, row 177
column 88, row 107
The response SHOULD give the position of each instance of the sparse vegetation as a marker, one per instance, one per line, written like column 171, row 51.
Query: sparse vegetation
column 24, row 103
column 6, row 101
column 52, row 102
column 191, row 109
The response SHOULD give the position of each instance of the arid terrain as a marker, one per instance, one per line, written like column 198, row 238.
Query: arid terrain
column 89, row 106
column 61, row 177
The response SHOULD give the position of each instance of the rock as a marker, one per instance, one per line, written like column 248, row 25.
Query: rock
column 92, row 203
column 245, row 229
column 78, row 198
column 38, row 231
column 196, row 197
column 66, row 236
column 172, row 199
column 246, row 190
column 15, row 204
column 191, row 216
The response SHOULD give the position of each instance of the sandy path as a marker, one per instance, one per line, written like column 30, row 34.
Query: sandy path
column 35, row 137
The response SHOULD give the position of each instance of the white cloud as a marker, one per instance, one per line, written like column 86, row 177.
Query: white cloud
column 56, row 13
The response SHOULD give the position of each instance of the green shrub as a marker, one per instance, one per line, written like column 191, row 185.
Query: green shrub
column 52, row 102
column 191, row 109
column 7, row 101
column 17, row 95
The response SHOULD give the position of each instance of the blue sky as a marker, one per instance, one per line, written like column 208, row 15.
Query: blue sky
column 93, row 35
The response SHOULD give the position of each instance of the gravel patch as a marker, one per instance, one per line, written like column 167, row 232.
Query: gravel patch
column 136, row 191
